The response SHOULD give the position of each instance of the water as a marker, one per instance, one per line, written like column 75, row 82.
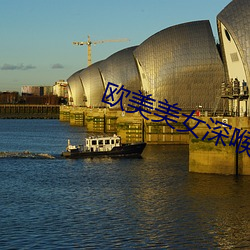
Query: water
column 148, row 203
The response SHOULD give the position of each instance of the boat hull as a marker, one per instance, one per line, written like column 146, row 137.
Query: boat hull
column 126, row 150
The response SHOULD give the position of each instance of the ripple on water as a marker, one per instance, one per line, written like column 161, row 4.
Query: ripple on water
column 145, row 203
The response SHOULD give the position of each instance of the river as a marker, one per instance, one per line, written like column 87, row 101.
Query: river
column 48, row 202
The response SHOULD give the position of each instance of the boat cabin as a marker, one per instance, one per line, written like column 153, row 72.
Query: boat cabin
column 102, row 143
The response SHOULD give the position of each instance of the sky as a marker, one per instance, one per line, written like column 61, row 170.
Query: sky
column 36, row 35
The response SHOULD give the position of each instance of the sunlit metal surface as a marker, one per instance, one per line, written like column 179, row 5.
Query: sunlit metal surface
column 236, row 18
column 93, row 85
column 76, row 91
column 120, row 68
column 181, row 64
column 234, row 28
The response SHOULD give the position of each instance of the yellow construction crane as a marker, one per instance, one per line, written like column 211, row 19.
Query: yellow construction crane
column 89, row 43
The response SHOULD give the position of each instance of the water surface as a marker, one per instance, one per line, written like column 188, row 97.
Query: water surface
column 104, row 203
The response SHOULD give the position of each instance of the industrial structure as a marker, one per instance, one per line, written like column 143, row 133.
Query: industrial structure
column 92, row 93
column 38, row 95
column 60, row 89
column 234, row 34
column 75, row 90
column 89, row 44
column 159, row 67
column 181, row 64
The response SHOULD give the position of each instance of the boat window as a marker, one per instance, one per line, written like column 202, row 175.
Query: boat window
column 93, row 142
column 112, row 141
column 117, row 141
column 107, row 142
column 100, row 142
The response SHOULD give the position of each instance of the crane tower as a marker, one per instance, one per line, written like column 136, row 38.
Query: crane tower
column 89, row 43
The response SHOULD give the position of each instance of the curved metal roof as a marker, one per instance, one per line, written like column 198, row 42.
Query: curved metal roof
column 120, row 68
column 93, row 85
column 236, row 18
column 76, row 91
column 181, row 64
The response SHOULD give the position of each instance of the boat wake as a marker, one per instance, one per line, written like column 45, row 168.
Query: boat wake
column 26, row 154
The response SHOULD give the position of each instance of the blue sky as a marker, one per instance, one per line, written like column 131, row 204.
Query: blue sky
column 36, row 35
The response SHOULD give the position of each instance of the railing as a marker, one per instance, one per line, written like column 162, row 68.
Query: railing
column 25, row 111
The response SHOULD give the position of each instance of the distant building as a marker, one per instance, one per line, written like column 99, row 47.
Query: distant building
column 30, row 90
column 38, row 95
column 47, row 90
column 9, row 97
column 40, row 100
column 37, row 90
column 60, row 89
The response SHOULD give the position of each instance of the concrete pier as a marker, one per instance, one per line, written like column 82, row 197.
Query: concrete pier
column 162, row 133
column 206, row 157
column 132, row 127
column 64, row 114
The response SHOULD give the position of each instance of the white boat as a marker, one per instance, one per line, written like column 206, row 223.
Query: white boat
column 103, row 146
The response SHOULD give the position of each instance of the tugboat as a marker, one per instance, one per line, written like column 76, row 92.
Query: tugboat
column 96, row 146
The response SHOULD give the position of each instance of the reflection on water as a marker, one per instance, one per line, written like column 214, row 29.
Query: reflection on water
column 106, row 203
column 224, row 201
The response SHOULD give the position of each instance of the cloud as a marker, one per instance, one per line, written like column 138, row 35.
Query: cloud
column 57, row 66
column 29, row 67
column 21, row 66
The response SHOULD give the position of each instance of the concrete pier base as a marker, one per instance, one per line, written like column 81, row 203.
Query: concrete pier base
column 162, row 133
column 64, row 114
column 132, row 127
column 206, row 157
